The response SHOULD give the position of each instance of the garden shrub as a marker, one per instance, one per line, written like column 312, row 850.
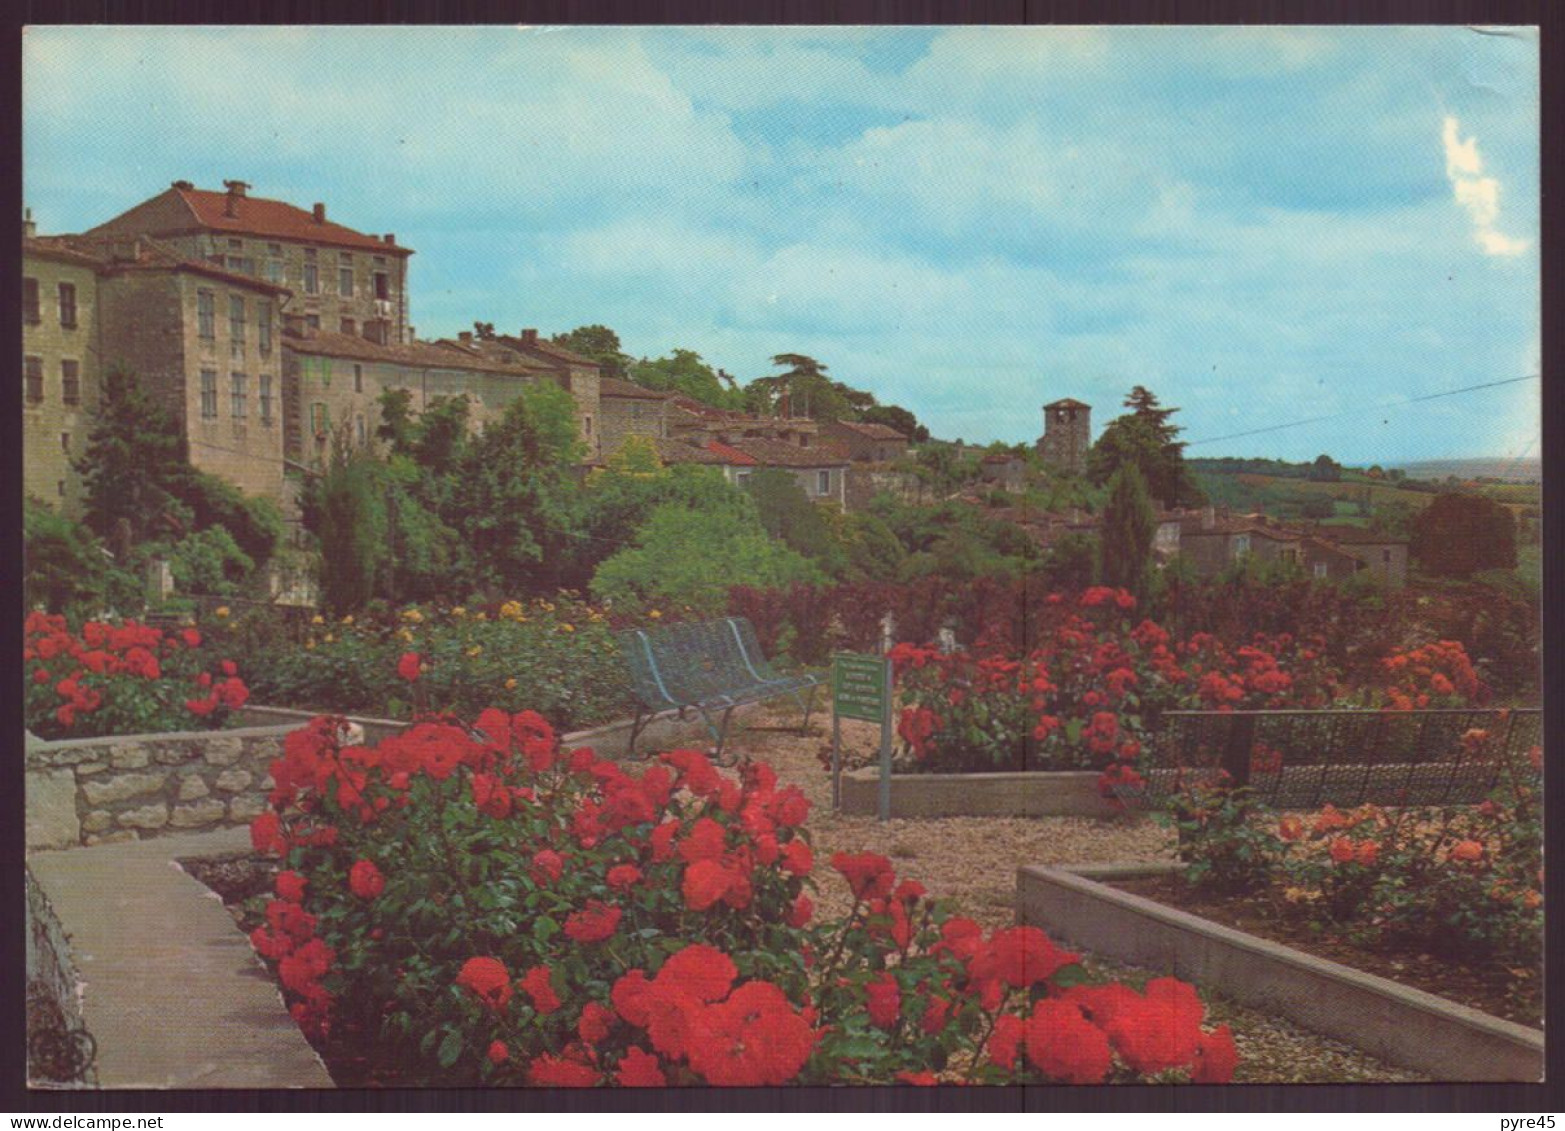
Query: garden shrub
column 468, row 905
column 1460, row 881
column 557, row 655
column 125, row 678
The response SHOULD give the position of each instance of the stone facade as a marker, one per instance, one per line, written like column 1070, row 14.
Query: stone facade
column 61, row 350
column 628, row 410
column 286, row 246
column 1067, row 434
column 867, row 443
column 122, row 788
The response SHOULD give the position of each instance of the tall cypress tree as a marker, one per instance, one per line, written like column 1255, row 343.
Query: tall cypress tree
column 1129, row 526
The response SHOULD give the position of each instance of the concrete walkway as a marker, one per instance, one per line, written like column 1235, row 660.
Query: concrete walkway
column 173, row 993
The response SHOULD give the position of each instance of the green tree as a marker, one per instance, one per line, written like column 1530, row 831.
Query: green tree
column 133, row 454
column 1145, row 437
column 1457, row 535
column 618, row 500
column 1072, row 563
column 787, row 514
column 67, row 570
column 1129, row 526
column 1325, row 470
column 685, row 372
column 599, row 343
column 674, row 559
column 346, row 511
column 514, row 489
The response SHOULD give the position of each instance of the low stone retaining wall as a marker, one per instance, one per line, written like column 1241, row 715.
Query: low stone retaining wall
column 124, row 787
column 128, row 787
column 1062, row 794
column 1397, row 1023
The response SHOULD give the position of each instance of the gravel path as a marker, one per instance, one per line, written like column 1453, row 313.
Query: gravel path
column 972, row 861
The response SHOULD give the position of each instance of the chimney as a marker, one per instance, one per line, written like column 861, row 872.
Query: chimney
column 182, row 186
column 236, row 193
column 529, row 337
column 29, row 229
column 1208, row 518
column 465, row 337
column 389, row 239
column 319, row 212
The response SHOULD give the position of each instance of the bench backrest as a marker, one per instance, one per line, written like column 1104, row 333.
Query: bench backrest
column 691, row 662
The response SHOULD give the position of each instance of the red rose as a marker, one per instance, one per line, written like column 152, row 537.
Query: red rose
column 703, row 972
column 266, row 834
column 1065, row 1046
column 884, row 1000
column 539, row 986
column 290, row 886
column 547, row 867
column 799, row 914
column 869, row 874
column 797, row 858
column 921, row 1079
column 1024, row 956
column 549, row 1071
column 365, row 880
column 593, row 923
column 1158, row 1029
column 408, row 667
column 1216, row 1057
column 754, row 1038
column 639, row 1069
column 623, row 876
column 1009, row 1033
column 488, row 978
column 705, row 842
column 498, row 1053
column 705, row 882
column 594, row 1023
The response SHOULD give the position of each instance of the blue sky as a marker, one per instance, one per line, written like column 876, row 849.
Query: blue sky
column 1261, row 225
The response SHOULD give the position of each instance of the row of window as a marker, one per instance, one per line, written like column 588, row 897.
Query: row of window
column 32, row 304
column 206, row 321
column 70, row 381
column 238, row 396
column 275, row 271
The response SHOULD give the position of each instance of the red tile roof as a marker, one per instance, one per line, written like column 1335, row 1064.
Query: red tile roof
column 731, row 454
column 143, row 253
column 677, row 451
column 59, row 248
column 257, row 216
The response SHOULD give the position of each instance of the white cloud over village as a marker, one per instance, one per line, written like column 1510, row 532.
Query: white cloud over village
column 1478, row 194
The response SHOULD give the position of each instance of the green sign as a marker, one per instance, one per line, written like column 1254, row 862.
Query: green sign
column 858, row 687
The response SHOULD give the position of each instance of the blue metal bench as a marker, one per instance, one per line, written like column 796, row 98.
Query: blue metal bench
column 706, row 667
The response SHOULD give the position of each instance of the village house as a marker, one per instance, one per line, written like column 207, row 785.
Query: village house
column 866, row 443
column 344, row 281
column 204, row 343
column 1005, row 470
column 61, row 346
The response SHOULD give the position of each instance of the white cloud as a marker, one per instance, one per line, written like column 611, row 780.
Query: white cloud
column 1479, row 194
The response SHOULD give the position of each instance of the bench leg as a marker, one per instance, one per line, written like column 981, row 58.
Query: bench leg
column 722, row 736
column 637, row 724
column 808, row 703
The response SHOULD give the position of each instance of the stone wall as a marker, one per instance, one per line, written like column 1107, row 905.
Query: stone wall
column 864, row 483
column 127, row 787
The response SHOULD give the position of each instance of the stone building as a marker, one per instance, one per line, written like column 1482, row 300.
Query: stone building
column 868, row 443
column 626, row 410
column 580, row 376
column 336, row 380
column 1067, row 434
column 1005, row 470
column 1383, row 556
column 60, row 351
column 343, row 281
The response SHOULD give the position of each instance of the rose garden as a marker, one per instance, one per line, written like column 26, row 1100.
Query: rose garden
column 449, row 883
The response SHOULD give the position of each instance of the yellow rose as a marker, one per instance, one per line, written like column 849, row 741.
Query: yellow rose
column 330, row 638
column 654, row 614
column 510, row 684
column 317, row 619
column 309, row 645
column 220, row 611
column 348, row 619
column 475, row 650
column 567, row 628
column 407, row 637
column 459, row 611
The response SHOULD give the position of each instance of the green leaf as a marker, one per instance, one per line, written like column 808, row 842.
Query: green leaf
column 450, row 1049
column 545, row 928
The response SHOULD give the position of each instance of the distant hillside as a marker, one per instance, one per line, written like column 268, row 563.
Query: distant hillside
column 1506, row 470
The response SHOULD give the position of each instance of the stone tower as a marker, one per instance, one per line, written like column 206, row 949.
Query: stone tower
column 1067, row 434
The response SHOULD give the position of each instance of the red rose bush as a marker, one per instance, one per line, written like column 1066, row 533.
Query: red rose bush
column 125, row 678
column 473, row 905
